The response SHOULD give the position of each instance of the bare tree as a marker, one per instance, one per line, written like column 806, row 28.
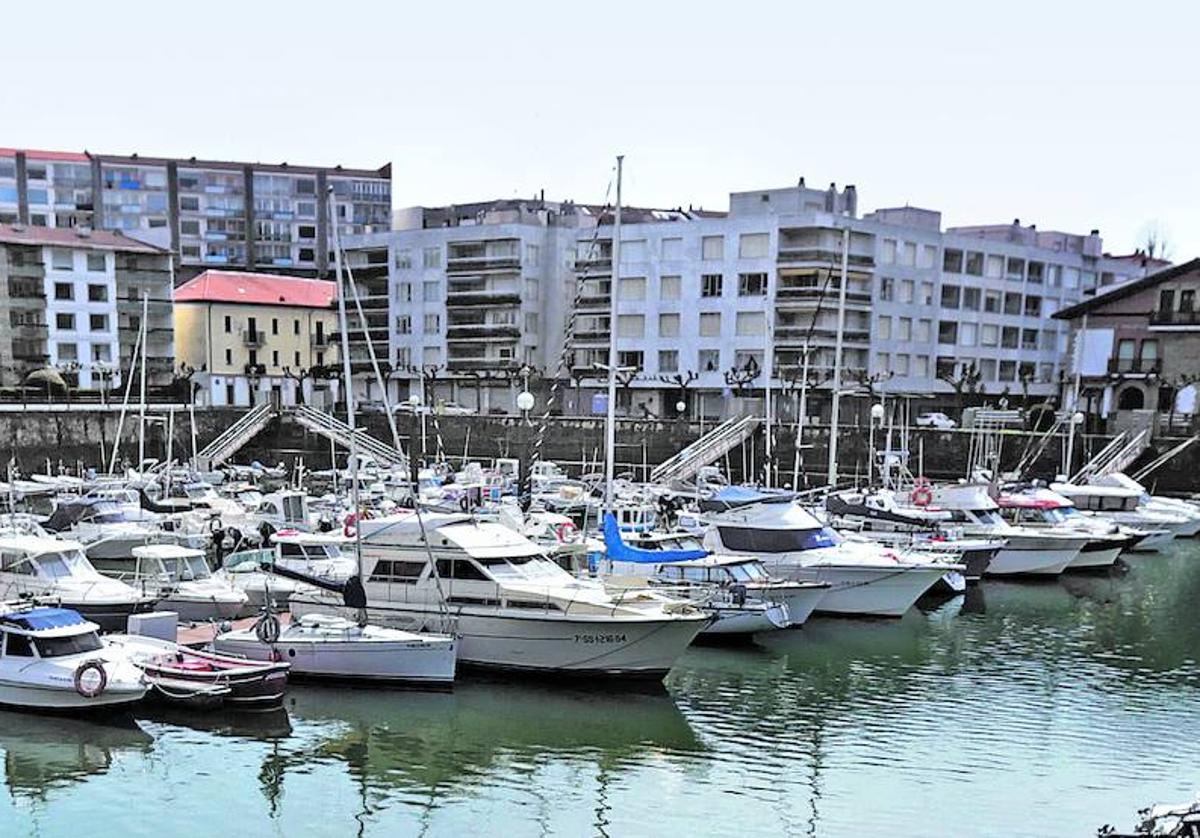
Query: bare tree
column 298, row 375
column 1156, row 240
column 965, row 379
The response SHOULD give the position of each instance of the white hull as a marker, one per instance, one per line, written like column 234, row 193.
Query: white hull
column 801, row 602
column 867, row 590
column 1089, row 559
column 1154, row 542
column 201, row 610
column 1015, row 560
column 536, row 643
column 28, row 697
column 407, row 661
column 732, row 620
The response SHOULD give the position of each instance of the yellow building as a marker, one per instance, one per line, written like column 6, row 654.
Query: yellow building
column 252, row 337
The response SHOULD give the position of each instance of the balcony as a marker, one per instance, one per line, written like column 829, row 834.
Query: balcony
column 790, row 256
column 602, row 265
column 825, row 294
column 800, row 334
column 482, row 264
column 482, row 298
column 478, row 363
column 1135, row 366
column 1175, row 318
column 591, row 300
column 320, row 340
column 253, row 337
column 482, row 331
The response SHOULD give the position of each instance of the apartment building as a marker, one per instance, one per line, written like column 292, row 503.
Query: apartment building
column 244, row 216
column 74, row 299
column 256, row 337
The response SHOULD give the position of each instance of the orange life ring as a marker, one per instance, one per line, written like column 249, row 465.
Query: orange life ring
column 95, row 684
column 922, row 493
column 563, row 531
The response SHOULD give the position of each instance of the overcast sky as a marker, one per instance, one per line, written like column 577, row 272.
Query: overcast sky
column 1071, row 116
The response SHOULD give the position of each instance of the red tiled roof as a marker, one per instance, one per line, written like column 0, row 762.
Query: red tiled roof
column 256, row 289
column 71, row 237
column 35, row 154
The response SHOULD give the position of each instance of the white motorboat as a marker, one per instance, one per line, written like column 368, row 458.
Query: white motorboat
column 55, row 660
column 323, row 646
column 736, row 611
column 318, row 555
column 511, row 606
column 1122, row 503
column 1041, row 508
column 865, row 578
column 180, row 579
column 41, row 566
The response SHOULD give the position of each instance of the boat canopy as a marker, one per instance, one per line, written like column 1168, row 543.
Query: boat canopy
column 43, row 619
column 731, row 497
column 619, row 551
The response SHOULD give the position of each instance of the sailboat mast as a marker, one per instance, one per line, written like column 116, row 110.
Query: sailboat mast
column 610, row 423
column 837, row 361
column 142, row 409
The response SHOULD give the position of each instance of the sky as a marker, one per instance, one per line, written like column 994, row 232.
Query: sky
column 1070, row 116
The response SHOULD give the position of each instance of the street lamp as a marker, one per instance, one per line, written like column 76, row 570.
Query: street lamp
column 680, row 407
column 525, row 402
column 415, row 401
column 876, row 419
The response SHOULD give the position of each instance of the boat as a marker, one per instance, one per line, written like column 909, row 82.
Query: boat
column 317, row 555
column 55, row 660
column 180, row 579
column 865, row 579
column 1123, row 502
column 204, row 679
column 1174, row 820
column 1041, row 508
column 511, row 606
column 329, row 647
column 56, row 569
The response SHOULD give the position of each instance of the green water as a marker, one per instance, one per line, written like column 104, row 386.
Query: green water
column 1023, row 710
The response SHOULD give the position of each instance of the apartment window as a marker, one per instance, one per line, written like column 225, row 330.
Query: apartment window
column 971, row 299
column 431, row 292
column 888, row 256
column 432, row 323
column 668, row 360
column 1029, row 338
column 1033, row 305
column 944, row 367
column 754, row 245
column 97, row 293
column 900, row 365
column 633, row 251
column 98, row 322
column 96, row 262
column 531, row 323
column 1149, row 354
column 68, row 352
column 672, row 249
column 989, row 335
column 751, row 323
column 275, row 357
column 296, row 326
column 924, row 328
column 1037, row 272
column 189, row 203
column 908, row 254
column 669, row 287
column 884, row 328
column 987, row 369
column 711, row 285
column 921, row 366
column 432, row 355
column 668, row 325
column 533, row 255
column 432, row 257
column 189, row 227
column 926, row 298
column 709, row 360
column 1071, row 278
column 1009, row 336
column 1016, row 269
column 190, row 251
column 1008, row 370
column 62, row 259
column 992, row 302
column 65, row 322
column 752, row 285
column 712, row 248
column 631, row 359
column 296, row 359
column 274, row 325
column 531, row 289
column 404, row 292
column 908, row 290
column 101, row 352
column 947, row 332
column 952, row 261
column 887, row 288
column 967, row 333
column 403, row 324
column 631, row 325
column 64, row 291
column 974, row 263
column 994, row 266
column 1012, row 303
column 1055, row 276
column 228, row 324
column 631, row 288
column 228, row 356
column 253, row 359
column 403, row 259
column 1089, row 280
column 1166, row 299
column 710, row 324
column 951, row 295
column 307, row 254
column 320, row 359
column 1187, row 300
column 904, row 328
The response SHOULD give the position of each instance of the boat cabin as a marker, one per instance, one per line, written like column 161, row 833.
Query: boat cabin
column 41, row 632
column 170, row 563
column 44, row 559
column 716, row 570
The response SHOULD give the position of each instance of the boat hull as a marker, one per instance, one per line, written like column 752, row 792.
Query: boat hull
column 391, row 661
column 864, row 590
column 202, row 610
column 1097, row 555
column 1152, row 542
column 66, row 700
column 110, row 616
column 732, row 621
column 801, row 601
column 1034, row 557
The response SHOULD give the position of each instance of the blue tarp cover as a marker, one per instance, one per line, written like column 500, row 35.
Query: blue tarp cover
column 40, row 619
column 619, row 551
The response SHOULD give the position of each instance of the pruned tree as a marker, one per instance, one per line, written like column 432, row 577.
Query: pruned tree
column 965, row 379
column 299, row 376
column 1155, row 240
column 739, row 378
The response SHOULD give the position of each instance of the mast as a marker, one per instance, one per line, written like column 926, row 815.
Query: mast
column 142, row 409
column 768, row 369
column 610, row 423
column 837, row 361
column 1068, row 464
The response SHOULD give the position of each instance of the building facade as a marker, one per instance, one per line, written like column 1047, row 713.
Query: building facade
column 244, row 216
column 251, row 338
column 74, row 301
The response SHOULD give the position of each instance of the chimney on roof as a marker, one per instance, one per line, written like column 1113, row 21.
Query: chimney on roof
column 1095, row 232
column 1016, row 222
column 850, row 193
column 831, row 198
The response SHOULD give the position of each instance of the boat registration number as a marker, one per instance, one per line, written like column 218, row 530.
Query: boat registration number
column 588, row 639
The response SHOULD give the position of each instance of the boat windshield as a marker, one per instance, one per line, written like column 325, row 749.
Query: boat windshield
column 749, row 540
column 57, row 647
column 987, row 516
column 748, row 572
column 61, row 565
column 185, row 568
column 533, row 568
column 686, row 542
column 1055, row 516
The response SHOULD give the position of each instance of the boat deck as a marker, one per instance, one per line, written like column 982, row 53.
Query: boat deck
column 201, row 634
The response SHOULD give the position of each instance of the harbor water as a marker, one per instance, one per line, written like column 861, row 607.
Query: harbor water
column 1022, row 709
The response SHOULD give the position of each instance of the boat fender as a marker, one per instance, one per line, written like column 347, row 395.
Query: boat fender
column 348, row 528
column 564, row 531
column 267, row 630
column 922, row 493
column 91, row 679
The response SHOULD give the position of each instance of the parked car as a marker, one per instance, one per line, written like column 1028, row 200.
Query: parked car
column 935, row 420
column 453, row 409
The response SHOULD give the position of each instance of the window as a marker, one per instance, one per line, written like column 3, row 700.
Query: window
column 1009, row 336
column 296, row 359
column 989, row 335
column 900, row 366
column 274, row 325
column 908, row 290
column 950, row 296
column 710, row 324
column 18, row 645
column 97, row 293
column 944, row 367
column 928, row 256
column 668, row 360
column 888, row 256
column 971, row 299
column 1029, row 338
column 884, row 328
column 1071, row 278
column 1008, row 370
column 923, row 330
column 228, row 324
column 1056, row 276
column 712, row 248
column 994, row 266
column 752, row 285
column 1016, row 269
column 533, row 255
column 1149, row 353
column 189, row 203
column 403, row 324
column 751, row 323
column 432, row 355
column 967, row 333
column 904, row 328
column 887, row 288
column 430, row 292
column 631, row 359
column 631, row 325
column 432, row 324
column 296, row 326
column 974, row 263
column 68, row 352
column 926, row 296
column 1033, row 305
column 98, row 322
column 531, row 289
column 1012, row 303
column 668, row 325
column 991, row 302
column 947, row 332
column 320, row 359
column 432, row 257
column 669, row 288
column 908, row 254
column 189, row 227
column 101, row 352
column 952, row 261
column 65, row 322
column 531, row 323
column 711, row 285
column 672, row 249
column 1166, row 300
column 274, row 357
column 1037, row 272
column 404, row 292
column 709, row 360
column 987, row 369
column 633, row 251
column 1187, row 300
column 631, row 288
column 64, row 291
column 921, row 366
column 754, row 245
column 62, row 259
column 95, row 262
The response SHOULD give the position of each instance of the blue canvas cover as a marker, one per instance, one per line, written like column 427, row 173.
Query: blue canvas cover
column 40, row 619
column 731, row 497
column 619, row 551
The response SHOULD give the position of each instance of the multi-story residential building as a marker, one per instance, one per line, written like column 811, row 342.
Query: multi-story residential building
column 74, row 301
column 247, row 216
column 253, row 337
